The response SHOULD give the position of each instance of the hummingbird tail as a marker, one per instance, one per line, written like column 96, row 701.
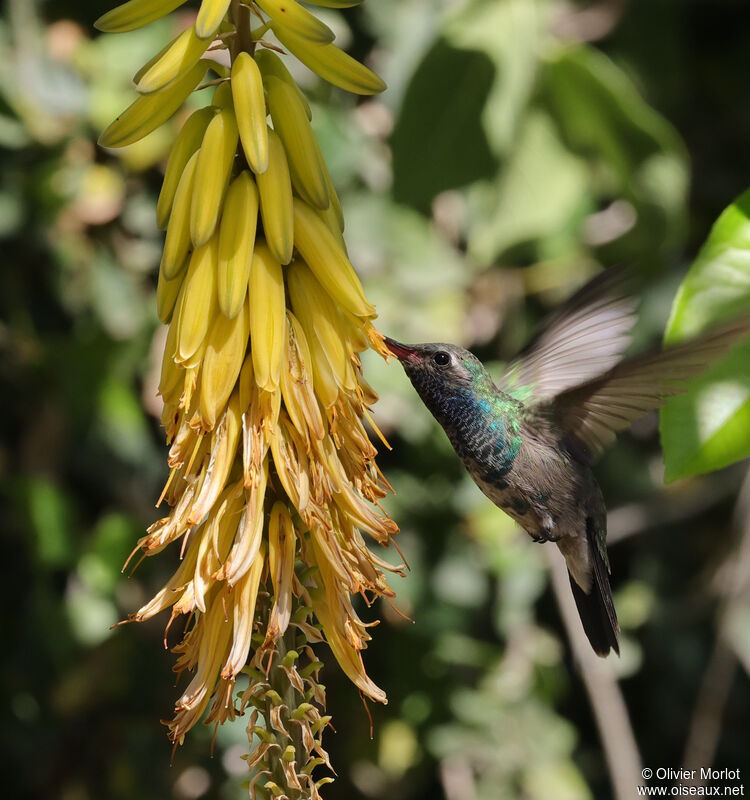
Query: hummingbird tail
column 596, row 608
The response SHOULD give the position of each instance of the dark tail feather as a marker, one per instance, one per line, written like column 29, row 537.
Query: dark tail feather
column 597, row 609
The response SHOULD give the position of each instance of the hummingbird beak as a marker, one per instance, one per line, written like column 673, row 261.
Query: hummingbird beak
column 401, row 351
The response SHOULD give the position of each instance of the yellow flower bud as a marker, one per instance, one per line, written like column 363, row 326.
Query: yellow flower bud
column 226, row 344
column 330, row 264
column 267, row 317
column 236, row 241
column 198, row 307
column 321, row 321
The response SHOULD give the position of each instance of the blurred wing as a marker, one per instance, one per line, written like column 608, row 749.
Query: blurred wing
column 591, row 415
column 582, row 340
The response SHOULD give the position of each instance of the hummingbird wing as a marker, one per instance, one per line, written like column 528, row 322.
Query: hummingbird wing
column 592, row 414
column 583, row 339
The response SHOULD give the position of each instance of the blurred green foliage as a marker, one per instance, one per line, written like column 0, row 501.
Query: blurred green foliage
column 520, row 145
column 709, row 426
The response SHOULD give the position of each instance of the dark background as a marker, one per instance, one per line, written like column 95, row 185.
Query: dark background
column 468, row 218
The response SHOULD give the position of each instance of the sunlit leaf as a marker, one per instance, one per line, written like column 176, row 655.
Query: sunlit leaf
column 709, row 427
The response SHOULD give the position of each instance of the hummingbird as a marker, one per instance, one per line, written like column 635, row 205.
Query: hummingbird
column 529, row 441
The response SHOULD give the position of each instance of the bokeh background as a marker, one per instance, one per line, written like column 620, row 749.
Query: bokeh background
column 520, row 145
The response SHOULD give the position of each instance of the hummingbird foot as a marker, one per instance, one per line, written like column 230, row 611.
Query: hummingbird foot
column 546, row 531
column 540, row 537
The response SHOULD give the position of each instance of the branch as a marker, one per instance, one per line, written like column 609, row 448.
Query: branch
column 672, row 505
column 457, row 779
column 705, row 727
column 607, row 703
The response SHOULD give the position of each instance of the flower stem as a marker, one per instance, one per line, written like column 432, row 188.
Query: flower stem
column 240, row 16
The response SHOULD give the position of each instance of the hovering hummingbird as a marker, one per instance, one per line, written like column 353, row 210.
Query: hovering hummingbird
column 529, row 441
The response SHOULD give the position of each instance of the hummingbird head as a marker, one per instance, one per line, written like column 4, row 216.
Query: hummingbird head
column 442, row 374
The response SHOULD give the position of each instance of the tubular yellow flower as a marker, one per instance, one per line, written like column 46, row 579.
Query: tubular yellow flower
column 258, row 424
column 171, row 377
column 205, row 653
column 292, row 464
column 271, row 65
column 135, row 14
column 267, row 317
column 275, row 188
column 321, row 321
column 212, row 173
column 291, row 123
column 249, row 536
column 179, row 57
column 198, row 301
column 224, row 441
column 246, row 595
column 187, row 142
column 332, row 64
column 215, row 540
column 296, row 18
column 222, row 97
column 281, row 549
column 297, row 383
column 236, row 241
column 273, row 483
column 209, row 18
column 225, row 349
column 177, row 241
column 322, row 252
column 250, row 105
column 150, row 111
column 166, row 296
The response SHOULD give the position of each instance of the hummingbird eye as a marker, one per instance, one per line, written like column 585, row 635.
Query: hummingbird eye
column 441, row 358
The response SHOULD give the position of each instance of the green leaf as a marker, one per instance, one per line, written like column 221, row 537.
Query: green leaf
column 405, row 264
column 404, row 31
column 635, row 152
column 11, row 211
column 100, row 567
column 438, row 142
column 559, row 779
column 510, row 33
column 709, row 427
column 399, row 748
column 541, row 190
column 717, row 287
column 91, row 614
column 121, row 421
column 467, row 98
column 51, row 516
column 117, row 298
